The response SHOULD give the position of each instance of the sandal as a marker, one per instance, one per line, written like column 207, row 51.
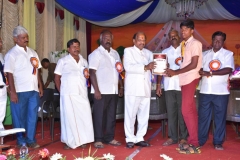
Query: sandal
column 169, row 142
column 114, row 143
column 83, row 146
column 182, row 146
column 98, row 145
column 191, row 150
column 66, row 147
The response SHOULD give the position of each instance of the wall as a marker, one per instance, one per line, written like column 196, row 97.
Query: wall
column 123, row 35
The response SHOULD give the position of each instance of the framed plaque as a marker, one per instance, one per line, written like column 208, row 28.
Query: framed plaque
column 161, row 63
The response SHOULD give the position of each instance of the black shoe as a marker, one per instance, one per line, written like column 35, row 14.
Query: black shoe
column 142, row 144
column 130, row 145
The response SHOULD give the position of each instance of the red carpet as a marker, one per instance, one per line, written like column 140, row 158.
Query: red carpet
column 231, row 146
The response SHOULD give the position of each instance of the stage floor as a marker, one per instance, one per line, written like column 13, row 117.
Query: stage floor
column 154, row 135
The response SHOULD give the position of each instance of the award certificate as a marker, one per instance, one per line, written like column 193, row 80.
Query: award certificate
column 161, row 63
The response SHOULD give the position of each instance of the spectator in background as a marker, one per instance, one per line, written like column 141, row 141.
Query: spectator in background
column 3, row 90
column 21, row 66
column 218, row 63
column 50, row 67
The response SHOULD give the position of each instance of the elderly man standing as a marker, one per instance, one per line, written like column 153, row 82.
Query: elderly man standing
column 218, row 63
column 104, row 78
column 21, row 66
column 71, row 74
column 173, row 93
column 138, row 63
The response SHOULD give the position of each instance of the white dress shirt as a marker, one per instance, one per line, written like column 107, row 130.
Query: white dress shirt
column 217, row 84
column 104, row 63
column 17, row 62
column 172, row 83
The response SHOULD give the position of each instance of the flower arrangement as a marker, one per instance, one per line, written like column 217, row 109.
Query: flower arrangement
column 44, row 154
column 56, row 55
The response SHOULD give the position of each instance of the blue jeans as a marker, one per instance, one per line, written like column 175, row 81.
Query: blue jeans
column 24, row 115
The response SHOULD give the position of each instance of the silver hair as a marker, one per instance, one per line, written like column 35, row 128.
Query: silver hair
column 105, row 31
column 173, row 30
column 19, row 30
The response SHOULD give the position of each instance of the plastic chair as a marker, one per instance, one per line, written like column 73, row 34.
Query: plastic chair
column 55, row 111
column 46, row 104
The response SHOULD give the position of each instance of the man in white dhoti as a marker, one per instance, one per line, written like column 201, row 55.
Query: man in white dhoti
column 138, row 63
column 71, row 76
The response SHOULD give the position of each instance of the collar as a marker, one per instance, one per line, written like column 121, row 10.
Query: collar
column 103, row 49
column 189, row 40
column 138, row 49
column 217, row 51
column 175, row 48
column 21, row 48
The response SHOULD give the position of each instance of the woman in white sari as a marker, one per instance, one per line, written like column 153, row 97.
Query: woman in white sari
column 71, row 76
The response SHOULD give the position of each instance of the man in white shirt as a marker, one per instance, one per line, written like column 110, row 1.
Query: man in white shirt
column 3, row 90
column 173, row 93
column 218, row 63
column 104, row 79
column 71, row 74
column 138, row 63
column 21, row 65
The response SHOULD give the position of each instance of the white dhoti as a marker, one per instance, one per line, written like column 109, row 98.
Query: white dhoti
column 76, row 120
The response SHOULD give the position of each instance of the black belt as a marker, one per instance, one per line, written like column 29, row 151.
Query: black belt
column 1, row 87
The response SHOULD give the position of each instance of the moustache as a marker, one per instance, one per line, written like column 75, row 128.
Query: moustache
column 173, row 39
column 108, row 43
column 26, row 42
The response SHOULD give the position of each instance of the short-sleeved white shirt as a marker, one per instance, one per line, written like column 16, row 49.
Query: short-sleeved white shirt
column 104, row 63
column 2, row 61
column 173, row 57
column 17, row 62
column 216, row 84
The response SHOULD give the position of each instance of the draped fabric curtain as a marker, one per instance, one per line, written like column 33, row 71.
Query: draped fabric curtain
column 68, row 27
column 10, row 19
column 39, row 34
column 80, row 34
column 59, row 34
column 29, row 22
column 49, row 28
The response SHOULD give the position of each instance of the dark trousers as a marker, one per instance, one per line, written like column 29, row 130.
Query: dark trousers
column 189, row 111
column 217, row 104
column 104, row 117
column 174, row 112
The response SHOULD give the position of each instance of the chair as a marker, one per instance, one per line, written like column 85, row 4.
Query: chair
column 55, row 113
column 233, row 110
column 158, row 109
column 46, row 104
column 8, row 132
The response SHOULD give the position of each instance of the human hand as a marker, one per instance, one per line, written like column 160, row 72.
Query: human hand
column 97, row 95
column 159, row 91
column 13, row 97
